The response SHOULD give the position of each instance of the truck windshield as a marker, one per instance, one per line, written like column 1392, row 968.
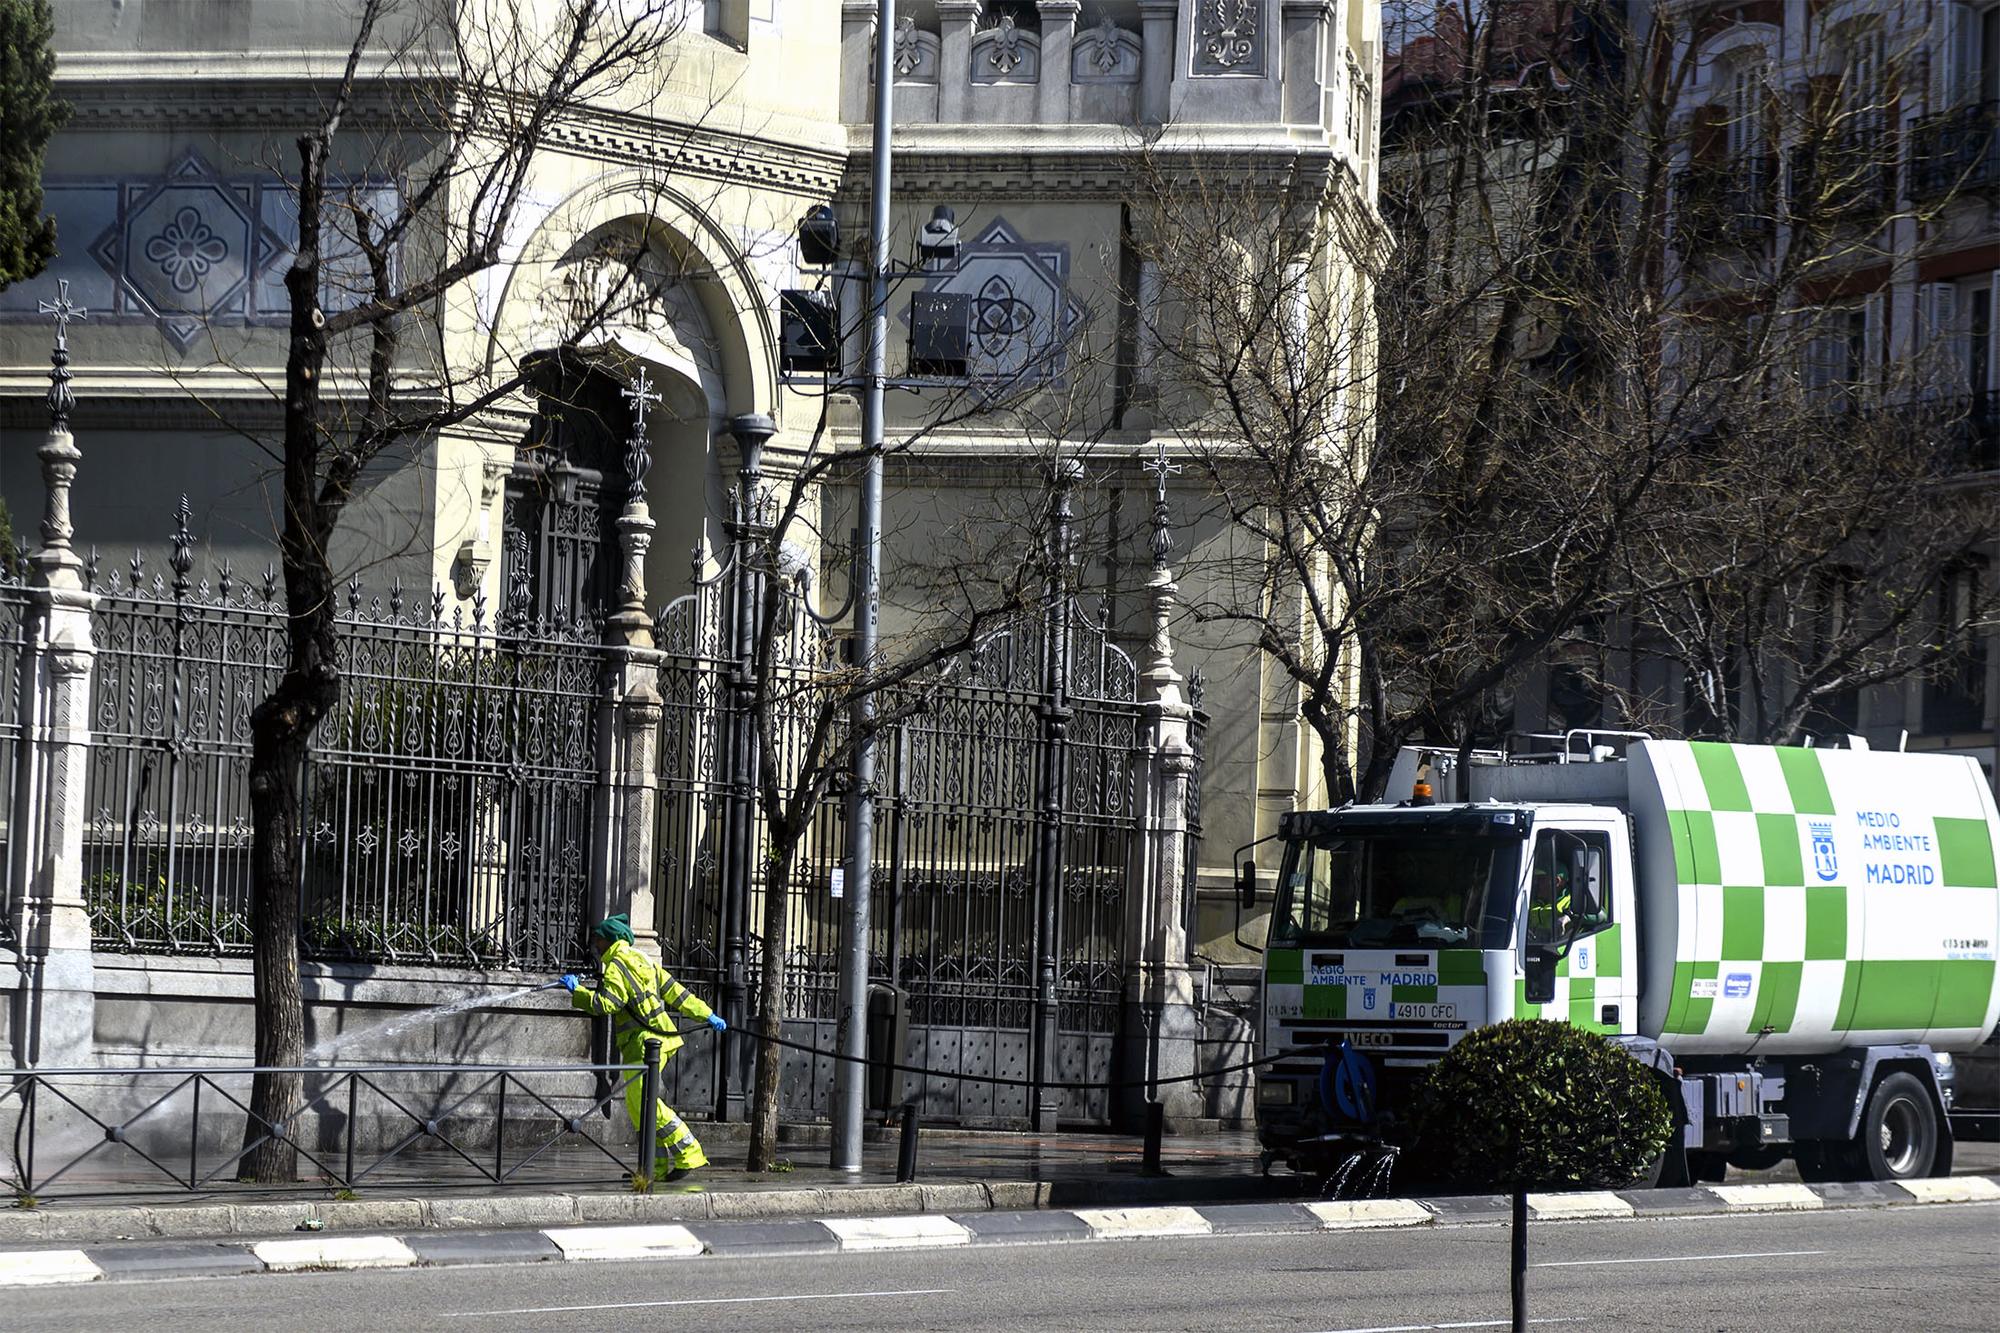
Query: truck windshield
column 1380, row 890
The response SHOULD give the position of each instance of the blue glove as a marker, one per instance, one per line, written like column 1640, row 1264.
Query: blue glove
column 715, row 1021
column 570, row 981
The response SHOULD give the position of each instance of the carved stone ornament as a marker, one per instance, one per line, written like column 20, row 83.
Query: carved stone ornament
column 1004, row 52
column 1105, row 54
column 914, row 55
column 1226, row 39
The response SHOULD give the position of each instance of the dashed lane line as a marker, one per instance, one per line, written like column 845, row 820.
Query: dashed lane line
column 703, row 1300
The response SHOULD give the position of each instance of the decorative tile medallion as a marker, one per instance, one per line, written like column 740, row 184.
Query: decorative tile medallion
column 187, row 248
column 1022, row 312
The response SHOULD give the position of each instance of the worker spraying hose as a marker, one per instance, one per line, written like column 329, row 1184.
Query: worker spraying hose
column 636, row 994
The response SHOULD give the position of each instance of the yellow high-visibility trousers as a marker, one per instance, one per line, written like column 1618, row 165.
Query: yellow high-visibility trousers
column 678, row 1146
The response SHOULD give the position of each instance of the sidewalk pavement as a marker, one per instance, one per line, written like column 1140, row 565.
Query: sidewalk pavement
column 959, row 1172
column 47, row 1265
column 115, row 1195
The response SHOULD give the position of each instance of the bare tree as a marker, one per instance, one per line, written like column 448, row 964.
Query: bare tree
column 457, row 103
column 1447, row 448
column 1004, row 563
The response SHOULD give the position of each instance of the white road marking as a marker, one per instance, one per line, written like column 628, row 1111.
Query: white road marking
column 1772, row 1196
column 708, row 1300
column 1371, row 1213
column 289, row 1256
column 40, row 1268
column 1952, row 1189
column 1676, row 1259
column 1143, row 1223
column 917, row 1231
column 1465, row 1323
column 1578, row 1204
column 641, row 1242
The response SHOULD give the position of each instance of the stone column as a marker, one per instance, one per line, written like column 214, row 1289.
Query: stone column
column 1303, row 54
column 857, row 60
column 746, row 533
column 956, row 19
column 55, row 1019
column 628, row 718
column 1159, row 59
column 1058, row 38
column 1159, row 1028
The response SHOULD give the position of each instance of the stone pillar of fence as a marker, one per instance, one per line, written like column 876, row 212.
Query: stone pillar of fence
column 55, row 1021
column 1160, row 1030
column 628, row 731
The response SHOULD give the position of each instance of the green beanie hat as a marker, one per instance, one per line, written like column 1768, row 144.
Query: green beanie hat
column 614, row 928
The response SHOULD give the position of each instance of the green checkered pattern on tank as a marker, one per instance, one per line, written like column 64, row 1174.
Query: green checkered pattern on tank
column 1774, row 888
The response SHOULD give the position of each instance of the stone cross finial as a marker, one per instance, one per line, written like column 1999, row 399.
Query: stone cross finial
column 64, row 311
column 1163, row 538
column 56, row 565
column 641, row 394
column 61, row 400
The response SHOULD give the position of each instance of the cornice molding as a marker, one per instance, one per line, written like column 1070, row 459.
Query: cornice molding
column 265, row 101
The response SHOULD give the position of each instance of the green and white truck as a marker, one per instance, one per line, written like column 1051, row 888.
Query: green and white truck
column 1797, row 940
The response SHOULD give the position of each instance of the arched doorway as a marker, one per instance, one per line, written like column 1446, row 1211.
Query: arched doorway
column 567, row 485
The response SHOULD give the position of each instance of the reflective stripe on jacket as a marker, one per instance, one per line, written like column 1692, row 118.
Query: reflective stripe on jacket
column 636, row 994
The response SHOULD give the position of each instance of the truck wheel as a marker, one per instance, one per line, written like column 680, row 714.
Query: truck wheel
column 1899, row 1132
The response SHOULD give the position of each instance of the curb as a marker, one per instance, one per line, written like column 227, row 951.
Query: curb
column 921, row 1231
column 207, row 1221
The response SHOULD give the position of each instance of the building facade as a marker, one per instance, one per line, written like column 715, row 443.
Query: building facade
column 1898, row 303
column 1028, row 119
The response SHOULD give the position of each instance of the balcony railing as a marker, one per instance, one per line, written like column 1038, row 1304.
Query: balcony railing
column 1973, row 442
column 1732, row 202
column 1849, row 179
column 1955, row 150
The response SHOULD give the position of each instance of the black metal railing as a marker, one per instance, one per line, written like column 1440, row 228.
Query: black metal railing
column 1848, row 179
column 186, row 1128
column 1972, row 434
column 1731, row 202
column 1954, row 151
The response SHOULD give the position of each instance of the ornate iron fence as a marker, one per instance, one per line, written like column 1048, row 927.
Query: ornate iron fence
column 1006, row 817
column 75, row 1132
column 447, row 799
column 16, row 623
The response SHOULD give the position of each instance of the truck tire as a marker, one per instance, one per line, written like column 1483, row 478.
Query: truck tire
column 1898, row 1139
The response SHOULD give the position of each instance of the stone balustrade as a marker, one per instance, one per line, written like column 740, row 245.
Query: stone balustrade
column 1144, row 62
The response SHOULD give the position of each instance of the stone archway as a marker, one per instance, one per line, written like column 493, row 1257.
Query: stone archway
column 568, row 480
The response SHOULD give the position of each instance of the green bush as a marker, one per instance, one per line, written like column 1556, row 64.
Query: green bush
column 1537, row 1104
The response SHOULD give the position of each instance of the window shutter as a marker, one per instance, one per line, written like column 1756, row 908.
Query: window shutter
column 1873, row 310
column 1993, row 330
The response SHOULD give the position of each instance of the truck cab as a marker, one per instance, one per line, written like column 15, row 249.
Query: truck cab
column 1399, row 929
column 1795, row 940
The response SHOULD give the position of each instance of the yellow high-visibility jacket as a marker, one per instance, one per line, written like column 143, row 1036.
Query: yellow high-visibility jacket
column 636, row 995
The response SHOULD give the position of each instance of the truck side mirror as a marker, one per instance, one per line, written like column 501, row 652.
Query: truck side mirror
column 1246, row 885
column 1541, row 980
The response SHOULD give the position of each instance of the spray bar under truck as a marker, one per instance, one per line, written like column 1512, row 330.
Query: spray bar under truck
column 1797, row 940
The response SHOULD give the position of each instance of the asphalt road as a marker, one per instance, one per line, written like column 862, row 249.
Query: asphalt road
column 1930, row 1268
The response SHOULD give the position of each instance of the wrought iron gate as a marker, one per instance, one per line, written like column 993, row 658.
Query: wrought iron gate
column 1006, row 818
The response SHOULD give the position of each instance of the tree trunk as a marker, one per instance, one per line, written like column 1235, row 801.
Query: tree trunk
column 281, row 727
column 771, row 1006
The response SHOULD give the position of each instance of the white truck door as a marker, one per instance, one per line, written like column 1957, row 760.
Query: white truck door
column 1580, row 891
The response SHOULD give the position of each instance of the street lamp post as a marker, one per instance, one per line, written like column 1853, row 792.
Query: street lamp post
column 852, row 1034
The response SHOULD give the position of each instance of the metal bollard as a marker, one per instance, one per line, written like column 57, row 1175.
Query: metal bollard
column 649, row 1114
column 906, row 1153
column 1156, row 1128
